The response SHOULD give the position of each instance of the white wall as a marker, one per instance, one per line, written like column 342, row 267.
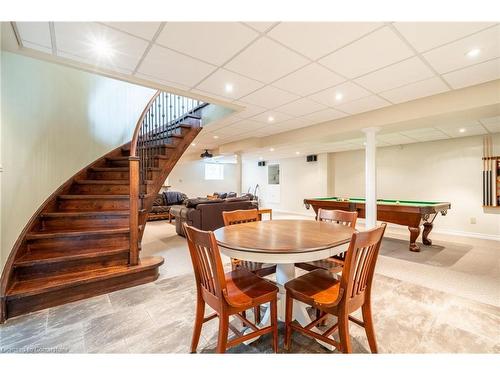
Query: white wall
column 188, row 177
column 446, row 170
column 298, row 180
column 55, row 120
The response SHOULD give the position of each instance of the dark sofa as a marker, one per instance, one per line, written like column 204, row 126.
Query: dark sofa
column 206, row 214
column 163, row 203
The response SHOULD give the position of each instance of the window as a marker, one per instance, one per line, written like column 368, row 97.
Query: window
column 214, row 171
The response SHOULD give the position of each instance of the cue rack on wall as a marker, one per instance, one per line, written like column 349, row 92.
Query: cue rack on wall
column 491, row 175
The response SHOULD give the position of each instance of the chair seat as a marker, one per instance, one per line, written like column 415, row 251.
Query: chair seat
column 244, row 289
column 319, row 287
column 333, row 265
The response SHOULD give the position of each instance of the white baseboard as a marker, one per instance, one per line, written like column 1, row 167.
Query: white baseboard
column 451, row 232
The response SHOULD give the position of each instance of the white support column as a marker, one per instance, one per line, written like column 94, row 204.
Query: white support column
column 371, row 177
column 239, row 170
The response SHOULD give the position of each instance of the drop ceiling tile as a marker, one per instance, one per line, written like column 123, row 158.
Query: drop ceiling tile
column 365, row 104
column 493, row 128
column 214, row 42
column 374, row 51
column 241, row 86
column 275, row 115
column 396, row 75
column 260, row 26
column 427, row 87
column 425, row 134
column 269, row 97
column 145, row 30
column 102, row 64
column 394, row 139
column 172, row 66
column 324, row 115
column 312, row 78
column 349, row 91
column 474, row 75
column 35, row 35
column 426, row 35
column 210, row 95
column 249, row 111
column 454, row 55
column 266, row 61
column 37, row 47
column 219, row 124
column 301, row 107
column 248, row 125
column 162, row 81
column 490, row 120
column 316, row 39
column 77, row 39
column 462, row 130
column 294, row 123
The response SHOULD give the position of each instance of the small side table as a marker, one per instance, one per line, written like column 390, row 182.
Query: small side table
column 262, row 211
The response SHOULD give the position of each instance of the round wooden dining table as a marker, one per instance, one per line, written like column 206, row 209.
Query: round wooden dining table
column 284, row 243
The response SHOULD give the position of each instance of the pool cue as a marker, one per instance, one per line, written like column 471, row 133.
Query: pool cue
column 484, row 171
column 490, row 172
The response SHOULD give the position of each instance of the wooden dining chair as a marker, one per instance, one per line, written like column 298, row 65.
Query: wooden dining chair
column 336, row 262
column 227, row 293
column 339, row 295
column 260, row 269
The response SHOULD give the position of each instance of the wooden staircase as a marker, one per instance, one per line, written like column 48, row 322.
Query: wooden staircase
column 85, row 238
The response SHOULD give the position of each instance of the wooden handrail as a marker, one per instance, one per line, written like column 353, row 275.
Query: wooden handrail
column 158, row 121
column 135, row 138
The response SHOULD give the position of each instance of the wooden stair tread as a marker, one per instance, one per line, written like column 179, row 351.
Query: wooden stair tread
column 103, row 182
column 64, row 255
column 109, row 169
column 57, row 233
column 27, row 288
column 85, row 213
column 96, row 196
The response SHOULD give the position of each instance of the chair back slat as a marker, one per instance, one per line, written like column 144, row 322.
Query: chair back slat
column 337, row 216
column 360, row 261
column 207, row 263
column 240, row 216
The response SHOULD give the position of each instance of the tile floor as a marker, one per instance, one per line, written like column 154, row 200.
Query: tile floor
column 444, row 299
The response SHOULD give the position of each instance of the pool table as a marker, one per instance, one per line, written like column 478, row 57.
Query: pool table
column 413, row 214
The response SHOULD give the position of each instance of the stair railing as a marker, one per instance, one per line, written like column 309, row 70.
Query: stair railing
column 160, row 118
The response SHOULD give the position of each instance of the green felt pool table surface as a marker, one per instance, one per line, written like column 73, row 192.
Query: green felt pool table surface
column 383, row 201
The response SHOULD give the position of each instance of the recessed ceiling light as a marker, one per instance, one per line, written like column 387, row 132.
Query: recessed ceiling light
column 229, row 87
column 216, row 136
column 364, row 143
column 270, row 119
column 102, row 48
column 339, row 96
column 261, row 158
column 297, row 153
column 271, row 149
column 193, row 144
column 461, row 130
column 473, row 52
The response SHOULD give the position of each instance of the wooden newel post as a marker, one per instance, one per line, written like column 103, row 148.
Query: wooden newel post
column 134, row 210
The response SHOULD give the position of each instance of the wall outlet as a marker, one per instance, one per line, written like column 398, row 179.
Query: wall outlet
column 473, row 220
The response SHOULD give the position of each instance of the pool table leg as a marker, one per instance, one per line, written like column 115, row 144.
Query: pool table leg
column 414, row 233
column 425, row 234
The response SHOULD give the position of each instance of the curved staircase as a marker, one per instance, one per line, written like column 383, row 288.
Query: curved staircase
column 85, row 238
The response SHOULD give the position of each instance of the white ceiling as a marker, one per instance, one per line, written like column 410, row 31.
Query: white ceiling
column 437, row 132
column 291, row 72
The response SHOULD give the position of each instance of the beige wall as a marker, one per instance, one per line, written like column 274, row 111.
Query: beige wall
column 188, row 177
column 447, row 170
column 55, row 120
